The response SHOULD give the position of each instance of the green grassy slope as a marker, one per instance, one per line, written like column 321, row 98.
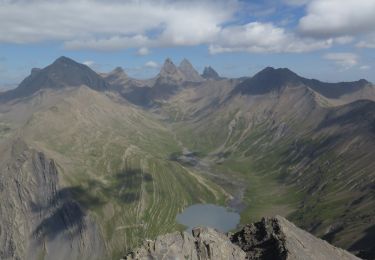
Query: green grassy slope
column 114, row 159
column 312, row 164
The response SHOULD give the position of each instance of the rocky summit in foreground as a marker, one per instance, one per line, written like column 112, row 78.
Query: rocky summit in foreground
column 270, row 239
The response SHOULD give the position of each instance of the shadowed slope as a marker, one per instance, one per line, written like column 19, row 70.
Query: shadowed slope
column 64, row 72
column 276, row 80
column 37, row 218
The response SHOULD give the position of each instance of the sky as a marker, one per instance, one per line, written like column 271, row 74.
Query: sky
column 330, row 40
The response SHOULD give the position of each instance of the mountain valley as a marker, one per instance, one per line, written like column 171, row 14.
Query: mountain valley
column 95, row 163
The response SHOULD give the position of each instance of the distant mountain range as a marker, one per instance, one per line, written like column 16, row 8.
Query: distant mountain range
column 92, row 162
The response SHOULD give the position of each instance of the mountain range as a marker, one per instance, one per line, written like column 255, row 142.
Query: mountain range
column 91, row 162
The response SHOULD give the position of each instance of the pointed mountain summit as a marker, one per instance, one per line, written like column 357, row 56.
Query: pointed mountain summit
column 169, row 72
column 168, row 68
column 63, row 72
column 210, row 73
column 119, row 71
column 168, row 80
column 269, row 80
column 189, row 72
column 116, row 77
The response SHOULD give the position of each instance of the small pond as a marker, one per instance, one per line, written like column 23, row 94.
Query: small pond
column 209, row 215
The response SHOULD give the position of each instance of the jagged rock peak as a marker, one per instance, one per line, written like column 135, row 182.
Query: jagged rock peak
column 118, row 71
column 185, row 64
column 170, row 72
column 189, row 71
column 210, row 73
column 277, row 238
column 116, row 77
column 168, row 67
column 271, row 238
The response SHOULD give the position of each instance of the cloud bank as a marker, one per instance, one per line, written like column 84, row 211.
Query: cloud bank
column 337, row 18
column 117, row 25
column 344, row 60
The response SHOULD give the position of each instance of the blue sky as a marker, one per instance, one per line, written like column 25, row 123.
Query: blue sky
column 331, row 40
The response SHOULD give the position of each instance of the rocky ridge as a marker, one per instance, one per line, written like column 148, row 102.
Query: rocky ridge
column 63, row 72
column 271, row 238
column 210, row 73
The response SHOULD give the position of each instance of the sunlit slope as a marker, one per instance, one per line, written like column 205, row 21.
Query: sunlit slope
column 300, row 158
column 114, row 159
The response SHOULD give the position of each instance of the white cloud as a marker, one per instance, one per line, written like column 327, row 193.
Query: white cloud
column 365, row 67
column 296, row 2
column 108, row 44
column 116, row 25
column 152, row 64
column 335, row 18
column 263, row 37
column 343, row 39
column 143, row 51
column 367, row 42
column 344, row 60
column 100, row 24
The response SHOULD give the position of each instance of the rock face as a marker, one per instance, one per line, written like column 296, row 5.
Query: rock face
column 210, row 73
column 277, row 238
column 167, row 82
column 204, row 243
column 189, row 72
column 270, row 239
column 38, row 219
column 117, row 77
column 169, row 71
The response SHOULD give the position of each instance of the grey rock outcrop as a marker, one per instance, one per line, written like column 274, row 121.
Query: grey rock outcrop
column 277, row 238
column 204, row 243
column 270, row 239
